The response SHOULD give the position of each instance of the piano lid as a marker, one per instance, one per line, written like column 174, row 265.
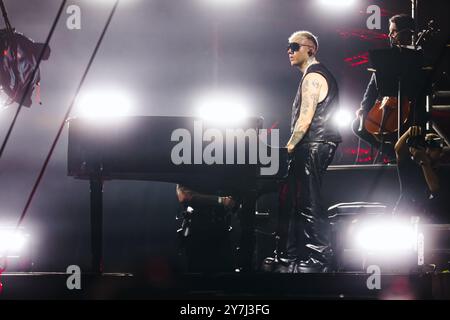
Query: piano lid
column 159, row 148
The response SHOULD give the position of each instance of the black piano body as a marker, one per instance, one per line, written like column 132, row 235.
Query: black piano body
column 142, row 148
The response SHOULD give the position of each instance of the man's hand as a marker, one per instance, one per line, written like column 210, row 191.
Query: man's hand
column 419, row 156
column 290, row 148
column 414, row 131
column 228, row 202
column 401, row 147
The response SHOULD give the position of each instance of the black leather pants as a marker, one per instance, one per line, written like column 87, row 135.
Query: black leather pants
column 304, row 227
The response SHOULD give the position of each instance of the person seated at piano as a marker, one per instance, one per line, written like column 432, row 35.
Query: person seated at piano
column 206, row 230
column 401, row 30
column 424, row 184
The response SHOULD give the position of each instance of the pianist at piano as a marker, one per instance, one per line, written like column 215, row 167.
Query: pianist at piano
column 205, row 229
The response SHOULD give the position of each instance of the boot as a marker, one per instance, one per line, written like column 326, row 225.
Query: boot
column 280, row 262
column 312, row 266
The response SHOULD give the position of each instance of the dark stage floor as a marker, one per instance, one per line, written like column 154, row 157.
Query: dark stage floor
column 335, row 286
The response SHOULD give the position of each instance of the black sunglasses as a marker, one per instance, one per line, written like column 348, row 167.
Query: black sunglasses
column 294, row 46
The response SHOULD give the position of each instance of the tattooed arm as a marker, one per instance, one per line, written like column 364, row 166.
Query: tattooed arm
column 314, row 89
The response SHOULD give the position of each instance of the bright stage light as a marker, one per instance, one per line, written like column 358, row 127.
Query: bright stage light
column 343, row 118
column 109, row 2
column 4, row 100
column 12, row 241
column 222, row 107
column 103, row 104
column 224, row 3
column 387, row 237
column 337, row 3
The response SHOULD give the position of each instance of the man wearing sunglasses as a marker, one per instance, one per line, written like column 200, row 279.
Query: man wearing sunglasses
column 304, row 239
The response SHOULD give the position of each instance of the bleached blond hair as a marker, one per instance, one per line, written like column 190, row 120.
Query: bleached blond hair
column 307, row 35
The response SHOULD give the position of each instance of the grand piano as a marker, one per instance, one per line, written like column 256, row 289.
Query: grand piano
column 140, row 148
column 145, row 148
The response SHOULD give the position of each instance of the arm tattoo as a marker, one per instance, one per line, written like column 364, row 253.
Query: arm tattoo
column 308, row 108
column 316, row 84
column 315, row 99
column 306, row 85
column 305, row 106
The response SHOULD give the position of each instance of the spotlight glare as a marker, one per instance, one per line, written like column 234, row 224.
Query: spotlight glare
column 104, row 104
column 333, row 4
column 222, row 107
column 4, row 101
column 11, row 242
column 343, row 118
column 225, row 2
column 387, row 237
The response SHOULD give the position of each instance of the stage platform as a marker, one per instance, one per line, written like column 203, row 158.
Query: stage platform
column 335, row 286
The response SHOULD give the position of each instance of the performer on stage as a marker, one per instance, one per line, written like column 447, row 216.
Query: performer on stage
column 401, row 30
column 205, row 231
column 424, row 186
column 313, row 142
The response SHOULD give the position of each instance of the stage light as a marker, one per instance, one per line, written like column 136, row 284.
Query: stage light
column 388, row 237
column 336, row 4
column 222, row 107
column 107, row 2
column 343, row 118
column 4, row 101
column 224, row 3
column 12, row 242
column 103, row 104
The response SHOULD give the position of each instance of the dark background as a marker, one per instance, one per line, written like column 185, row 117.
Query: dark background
column 163, row 53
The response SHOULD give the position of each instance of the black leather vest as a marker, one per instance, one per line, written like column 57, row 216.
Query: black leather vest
column 322, row 128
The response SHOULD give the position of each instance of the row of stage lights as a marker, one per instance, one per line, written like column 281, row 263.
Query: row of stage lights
column 224, row 107
column 386, row 240
column 219, row 106
column 224, row 7
column 234, row 3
